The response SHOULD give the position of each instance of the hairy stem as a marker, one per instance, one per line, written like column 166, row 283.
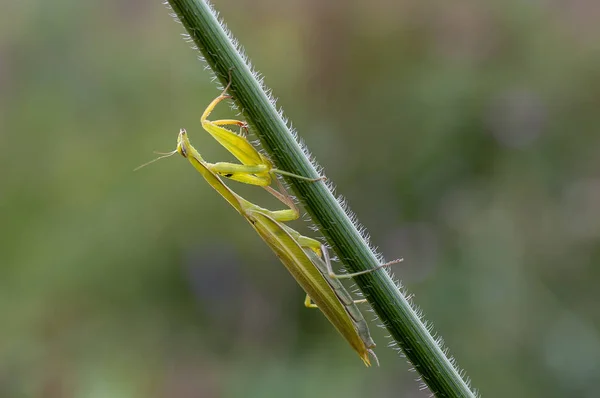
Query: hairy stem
column 438, row 371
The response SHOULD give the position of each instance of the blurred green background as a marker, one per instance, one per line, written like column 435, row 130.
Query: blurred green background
column 465, row 135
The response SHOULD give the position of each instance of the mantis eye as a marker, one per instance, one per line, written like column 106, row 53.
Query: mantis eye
column 182, row 151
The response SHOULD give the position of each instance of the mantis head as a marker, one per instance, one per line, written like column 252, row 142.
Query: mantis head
column 183, row 143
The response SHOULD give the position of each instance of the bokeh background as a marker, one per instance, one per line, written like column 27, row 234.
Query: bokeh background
column 464, row 134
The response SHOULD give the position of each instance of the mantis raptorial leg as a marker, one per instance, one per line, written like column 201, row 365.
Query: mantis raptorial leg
column 255, row 168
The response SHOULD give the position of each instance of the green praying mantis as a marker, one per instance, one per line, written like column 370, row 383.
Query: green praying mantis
column 305, row 258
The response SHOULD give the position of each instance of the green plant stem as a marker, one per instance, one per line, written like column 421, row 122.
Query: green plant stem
column 405, row 326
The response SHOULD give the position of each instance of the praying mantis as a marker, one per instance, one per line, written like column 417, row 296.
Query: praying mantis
column 301, row 256
column 305, row 258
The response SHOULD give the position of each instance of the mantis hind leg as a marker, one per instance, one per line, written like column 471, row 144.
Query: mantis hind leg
column 309, row 304
column 353, row 274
